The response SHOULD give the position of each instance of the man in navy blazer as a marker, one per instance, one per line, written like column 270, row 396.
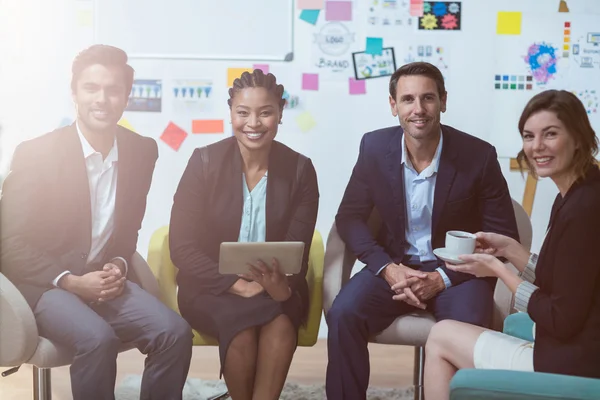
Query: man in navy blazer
column 424, row 179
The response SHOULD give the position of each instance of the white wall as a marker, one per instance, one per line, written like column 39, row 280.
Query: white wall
column 38, row 40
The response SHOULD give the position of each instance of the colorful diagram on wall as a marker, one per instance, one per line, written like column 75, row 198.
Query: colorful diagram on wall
column 541, row 60
column 428, row 53
column 146, row 95
column 389, row 13
column 513, row 82
column 441, row 15
column 589, row 98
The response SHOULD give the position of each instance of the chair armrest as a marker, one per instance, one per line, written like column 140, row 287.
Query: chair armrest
column 308, row 334
column 519, row 325
column 144, row 275
column 18, row 330
column 338, row 266
column 507, row 385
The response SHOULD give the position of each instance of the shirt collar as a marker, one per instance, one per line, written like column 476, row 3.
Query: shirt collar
column 435, row 162
column 88, row 150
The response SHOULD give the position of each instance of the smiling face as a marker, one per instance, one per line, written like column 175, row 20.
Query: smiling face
column 255, row 117
column 548, row 146
column 418, row 106
column 100, row 97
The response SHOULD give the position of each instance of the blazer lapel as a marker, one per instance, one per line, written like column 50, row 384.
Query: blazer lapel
column 125, row 171
column 234, row 203
column 393, row 162
column 77, row 183
column 445, row 178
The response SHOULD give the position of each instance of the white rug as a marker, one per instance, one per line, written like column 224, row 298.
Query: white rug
column 197, row 389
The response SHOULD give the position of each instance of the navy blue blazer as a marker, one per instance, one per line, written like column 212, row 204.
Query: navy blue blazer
column 470, row 195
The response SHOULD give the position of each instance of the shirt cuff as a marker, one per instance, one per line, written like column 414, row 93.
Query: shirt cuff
column 447, row 281
column 381, row 269
column 528, row 273
column 523, row 294
column 124, row 262
column 55, row 281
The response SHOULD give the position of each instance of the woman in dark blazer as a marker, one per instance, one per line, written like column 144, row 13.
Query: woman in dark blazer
column 560, row 288
column 245, row 188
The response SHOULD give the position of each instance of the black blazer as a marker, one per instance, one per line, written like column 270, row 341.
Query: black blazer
column 207, row 211
column 566, row 308
column 470, row 195
column 46, row 208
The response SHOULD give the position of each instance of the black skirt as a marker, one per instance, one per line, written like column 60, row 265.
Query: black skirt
column 226, row 315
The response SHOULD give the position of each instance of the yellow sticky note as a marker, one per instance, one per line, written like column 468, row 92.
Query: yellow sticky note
column 125, row 124
column 233, row 73
column 567, row 39
column 84, row 18
column 566, row 47
column 305, row 121
column 508, row 23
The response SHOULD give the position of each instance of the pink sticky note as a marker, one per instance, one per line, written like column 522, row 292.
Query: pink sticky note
column 357, row 86
column 416, row 8
column 309, row 4
column 173, row 136
column 263, row 67
column 310, row 81
column 338, row 11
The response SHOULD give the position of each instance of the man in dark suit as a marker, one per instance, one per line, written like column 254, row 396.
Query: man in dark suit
column 424, row 179
column 71, row 207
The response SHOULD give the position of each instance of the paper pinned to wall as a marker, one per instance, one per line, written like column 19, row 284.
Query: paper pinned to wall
column 309, row 4
column 306, row 121
column 207, row 126
column 374, row 46
column 263, row 67
column 357, row 86
column 416, row 8
column 125, row 124
column 173, row 136
column 310, row 81
column 234, row 73
column 508, row 23
column 338, row 11
column 563, row 7
column 310, row 16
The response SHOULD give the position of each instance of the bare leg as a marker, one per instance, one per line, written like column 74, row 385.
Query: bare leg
column 240, row 364
column 449, row 348
column 276, row 346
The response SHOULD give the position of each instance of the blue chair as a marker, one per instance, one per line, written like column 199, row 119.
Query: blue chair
column 470, row 384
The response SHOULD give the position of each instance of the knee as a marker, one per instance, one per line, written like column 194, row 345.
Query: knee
column 438, row 337
column 174, row 332
column 103, row 342
column 244, row 342
column 342, row 313
column 281, row 332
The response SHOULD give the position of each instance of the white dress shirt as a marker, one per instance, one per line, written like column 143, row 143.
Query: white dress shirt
column 102, row 179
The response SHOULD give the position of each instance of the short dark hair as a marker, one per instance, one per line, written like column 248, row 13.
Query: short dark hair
column 102, row 54
column 571, row 112
column 257, row 79
column 418, row 68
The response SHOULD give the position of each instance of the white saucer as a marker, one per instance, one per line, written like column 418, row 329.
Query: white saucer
column 443, row 255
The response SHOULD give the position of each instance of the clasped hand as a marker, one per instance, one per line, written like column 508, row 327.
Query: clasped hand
column 412, row 286
column 271, row 279
column 98, row 286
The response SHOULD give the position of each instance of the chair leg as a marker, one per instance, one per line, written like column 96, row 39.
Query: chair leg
column 418, row 372
column 42, row 384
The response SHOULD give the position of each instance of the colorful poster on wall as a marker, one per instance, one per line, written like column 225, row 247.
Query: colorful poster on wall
column 441, row 15
column 385, row 17
column 146, row 96
column 368, row 66
column 431, row 53
column 331, row 49
column 192, row 95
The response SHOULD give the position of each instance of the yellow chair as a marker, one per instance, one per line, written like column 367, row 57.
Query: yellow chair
column 159, row 259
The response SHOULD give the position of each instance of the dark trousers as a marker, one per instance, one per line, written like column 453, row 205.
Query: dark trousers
column 94, row 332
column 364, row 307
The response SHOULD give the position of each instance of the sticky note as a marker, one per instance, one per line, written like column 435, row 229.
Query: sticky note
column 374, row 46
column 310, row 81
column 125, row 124
column 509, row 23
column 309, row 4
column 305, row 121
column 310, row 16
column 84, row 18
column 563, row 7
column 234, row 73
column 338, row 11
column 263, row 67
column 173, row 136
column 416, row 8
column 207, row 126
column 357, row 86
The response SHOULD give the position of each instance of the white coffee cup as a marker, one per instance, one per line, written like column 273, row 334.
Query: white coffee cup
column 460, row 242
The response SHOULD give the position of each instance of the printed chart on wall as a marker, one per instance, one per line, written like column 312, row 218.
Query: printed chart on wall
column 388, row 17
column 536, row 53
column 331, row 49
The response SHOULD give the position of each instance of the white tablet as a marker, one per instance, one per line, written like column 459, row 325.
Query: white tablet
column 234, row 256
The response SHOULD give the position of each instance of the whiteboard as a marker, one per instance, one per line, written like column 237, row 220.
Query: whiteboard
column 197, row 29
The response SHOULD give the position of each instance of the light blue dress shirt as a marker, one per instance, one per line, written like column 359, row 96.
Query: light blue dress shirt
column 254, row 216
column 419, row 191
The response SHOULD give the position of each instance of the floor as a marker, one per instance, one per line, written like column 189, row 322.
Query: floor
column 391, row 366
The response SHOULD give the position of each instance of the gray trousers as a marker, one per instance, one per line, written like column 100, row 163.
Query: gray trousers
column 95, row 333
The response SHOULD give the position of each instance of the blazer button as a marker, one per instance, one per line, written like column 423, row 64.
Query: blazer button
column 84, row 256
